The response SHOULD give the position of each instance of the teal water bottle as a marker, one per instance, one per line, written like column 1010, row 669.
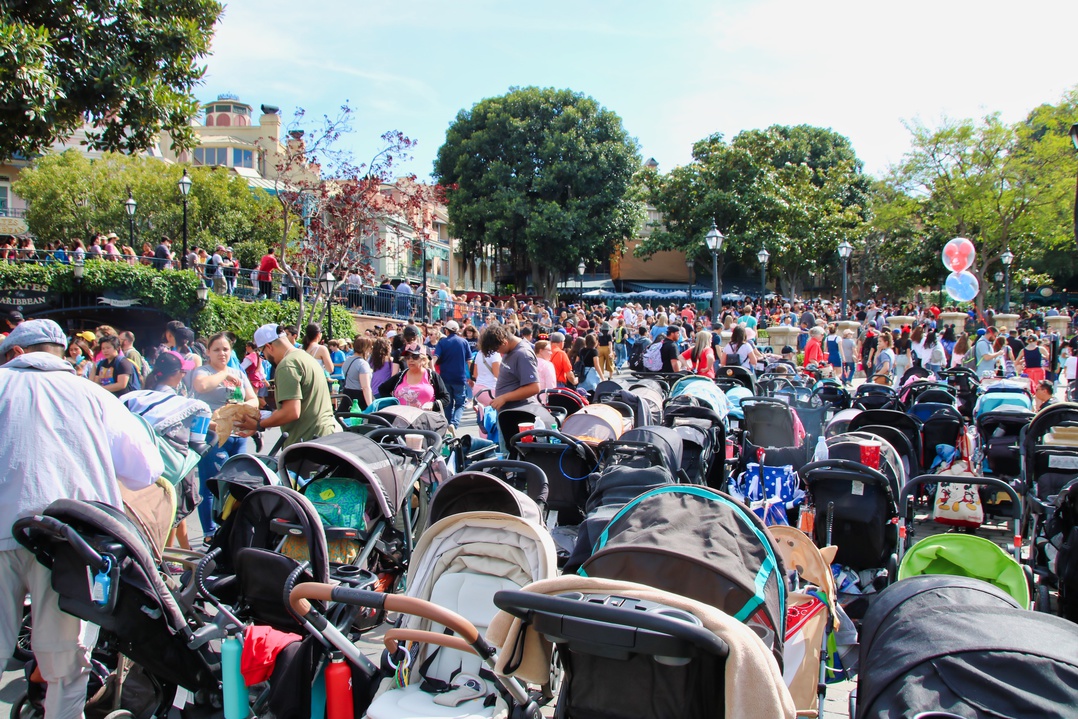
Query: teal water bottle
column 318, row 694
column 233, row 686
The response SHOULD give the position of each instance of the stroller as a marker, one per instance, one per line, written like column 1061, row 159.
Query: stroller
column 1050, row 473
column 928, row 391
column 727, row 377
column 484, row 537
column 964, row 647
column 630, row 651
column 876, row 396
column 840, row 422
column 998, row 441
column 704, row 390
column 811, row 410
column 885, row 420
column 142, row 616
column 703, row 545
column 238, row 476
column 1003, row 393
column 771, row 424
column 831, row 393
column 703, row 443
column 562, row 402
column 967, row 385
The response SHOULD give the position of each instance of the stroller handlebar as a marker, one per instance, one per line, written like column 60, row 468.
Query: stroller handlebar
column 24, row 528
column 910, row 486
column 431, row 439
column 394, row 636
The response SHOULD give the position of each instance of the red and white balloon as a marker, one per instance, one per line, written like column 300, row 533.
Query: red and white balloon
column 958, row 254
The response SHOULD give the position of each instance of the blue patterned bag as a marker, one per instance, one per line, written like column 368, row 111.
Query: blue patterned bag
column 769, row 496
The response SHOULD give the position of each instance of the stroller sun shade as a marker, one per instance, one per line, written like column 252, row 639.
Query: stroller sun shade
column 402, row 416
column 662, row 442
column 481, row 492
column 594, row 424
column 700, row 544
column 350, row 455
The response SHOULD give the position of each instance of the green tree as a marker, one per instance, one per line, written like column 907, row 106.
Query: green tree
column 798, row 191
column 128, row 66
column 71, row 196
column 542, row 178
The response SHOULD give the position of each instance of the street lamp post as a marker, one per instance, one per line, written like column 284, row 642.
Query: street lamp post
column 129, row 207
column 875, row 289
column 580, row 269
column 426, row 303
column 328, row 284
column 845, row 249
column 185, row 187
column 688, row 266
column 1007, row 258
column 1074, row 141
column 763, row 256
column 1025, row 292
column 714, row 239
column 999, row 288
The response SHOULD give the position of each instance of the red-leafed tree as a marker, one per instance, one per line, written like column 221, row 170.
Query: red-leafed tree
column 345, row 208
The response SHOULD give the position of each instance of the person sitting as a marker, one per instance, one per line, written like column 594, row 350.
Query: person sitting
column 417, row 385
column 1045, row 394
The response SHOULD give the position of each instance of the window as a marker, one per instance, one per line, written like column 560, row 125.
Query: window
column 3, row 200
column 242, row 158
column 212, row 156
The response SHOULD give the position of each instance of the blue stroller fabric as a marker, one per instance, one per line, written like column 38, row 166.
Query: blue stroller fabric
column 773, row 497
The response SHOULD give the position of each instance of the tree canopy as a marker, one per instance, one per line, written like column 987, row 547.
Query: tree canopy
column 796, row 191
column 128, row 67
column 541, row 179
column 70, row 196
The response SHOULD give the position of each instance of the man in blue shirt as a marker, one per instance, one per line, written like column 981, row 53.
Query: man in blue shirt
column 451, row 356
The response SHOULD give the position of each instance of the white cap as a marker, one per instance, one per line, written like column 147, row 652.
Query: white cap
column 452, row 326
column 267, row 334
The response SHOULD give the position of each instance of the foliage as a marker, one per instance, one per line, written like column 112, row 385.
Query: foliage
column 542, row 180
column 797, row 191
column 172, row 291
column 243, row 318
column 128, row 66
column 71, row 196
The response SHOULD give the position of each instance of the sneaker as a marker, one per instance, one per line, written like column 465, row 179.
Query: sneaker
column 466, row 687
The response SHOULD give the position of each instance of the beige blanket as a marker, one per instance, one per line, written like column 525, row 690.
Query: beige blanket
column 754, row 686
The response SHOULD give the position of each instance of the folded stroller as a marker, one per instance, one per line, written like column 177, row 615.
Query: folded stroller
column 703, row 443
column 701, row 544
column 959, row 645
column 631, row 651
column 141, row 617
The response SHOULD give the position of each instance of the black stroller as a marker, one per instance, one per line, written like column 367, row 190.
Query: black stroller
column 727, row 377
column 141, row 617
column 967, row 385
column 999, row 446
column 909, row 426
column 769, row 424
column 703, row 443
column 947, row 646
column 876, row 396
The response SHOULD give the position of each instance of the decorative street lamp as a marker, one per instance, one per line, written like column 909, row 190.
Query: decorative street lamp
column 875, row 289
column 1007, row 258
column 688, row 265
column 475, row 279
column 79, row 268
column 845, row 249
column 328, row 284
column 203, row 293
column 129, row 207
column 1074, row 141
column 1025, row 293
column 580, row 269
column 999, row 288
column 185, row 187
column 423, row 289
column 763, row 256
column 713, row 239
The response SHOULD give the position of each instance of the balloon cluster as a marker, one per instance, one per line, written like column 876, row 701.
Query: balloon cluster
column 962, row 285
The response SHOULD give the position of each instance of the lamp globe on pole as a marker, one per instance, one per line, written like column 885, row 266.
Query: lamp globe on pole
column 129, row 207
column 580, row 270
column 845, row 249
column 185, row 189
column 1007, row 258
column 328, row 284
column 713, row 239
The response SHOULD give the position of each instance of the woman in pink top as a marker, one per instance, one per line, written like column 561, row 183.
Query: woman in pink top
column 548, row 376
column 417, row 386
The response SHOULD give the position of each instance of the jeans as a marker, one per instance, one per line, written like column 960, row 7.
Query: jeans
column 621, row 354
column 458, row 397
column 208, row 468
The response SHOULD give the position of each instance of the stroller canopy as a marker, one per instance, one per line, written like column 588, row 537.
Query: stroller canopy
column 701, row 544
column 401, row 416
column 594, row 424
column 665, row 440
column 840, row 422
column 848, row 446
column 481, row 492
column 350, row 455
column 966, row 555
column 704, row 390
column 954, row 644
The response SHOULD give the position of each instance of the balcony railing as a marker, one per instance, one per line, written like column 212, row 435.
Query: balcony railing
column 12, row 211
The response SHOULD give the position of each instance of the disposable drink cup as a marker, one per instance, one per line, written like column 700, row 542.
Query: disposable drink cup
column 199, row 426
column 414, row 441
column 870, row 454
column 526, row 427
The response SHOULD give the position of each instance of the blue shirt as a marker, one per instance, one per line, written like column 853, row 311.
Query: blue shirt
column 453, row 353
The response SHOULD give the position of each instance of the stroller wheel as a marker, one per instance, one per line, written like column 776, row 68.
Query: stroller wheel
column 23, row 708
column 1043, row 600
column 23, row 652
column 551, row 688
column 120, row 714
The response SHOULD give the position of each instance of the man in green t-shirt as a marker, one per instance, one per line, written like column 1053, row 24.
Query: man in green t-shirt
column 304, row 409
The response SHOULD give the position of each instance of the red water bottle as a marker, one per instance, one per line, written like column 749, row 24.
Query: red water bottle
column 338, row 688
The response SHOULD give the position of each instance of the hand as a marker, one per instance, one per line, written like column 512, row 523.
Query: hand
column 497, row 402
column 247, row 424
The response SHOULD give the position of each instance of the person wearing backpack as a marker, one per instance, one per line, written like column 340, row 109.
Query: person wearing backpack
column 739, row 353
column 670, row 351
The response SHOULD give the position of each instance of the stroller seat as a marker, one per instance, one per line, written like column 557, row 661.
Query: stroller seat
column 471, row 595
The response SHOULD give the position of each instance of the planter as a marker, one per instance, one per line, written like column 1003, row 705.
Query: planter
column 851, row 325
column 896, row 321
column 1010, row 321
column 782, row 335
column 958, row 319
column 1058, row 324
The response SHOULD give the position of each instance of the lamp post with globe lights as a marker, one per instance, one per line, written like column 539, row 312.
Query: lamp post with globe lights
column 763, row 256
column 688, row 266
column 713, row 239
column 1025, row 290
column 580, row 270
column 999, row 288
column 1007, row 258
column 1074, row 141
column 845, row 249
column 328, row 284
column 185, row 188
column 129, row 207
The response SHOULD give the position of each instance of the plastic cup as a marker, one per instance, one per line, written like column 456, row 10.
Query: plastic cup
column 414, row 441
column 200, row 425
column 526, row 427
column 870, row 454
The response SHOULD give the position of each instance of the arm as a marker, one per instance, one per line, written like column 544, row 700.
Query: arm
column 121, row 383
column 365, row 387
column 249, row 396
column 286, row 412
column 206, row 382
column 327, row 361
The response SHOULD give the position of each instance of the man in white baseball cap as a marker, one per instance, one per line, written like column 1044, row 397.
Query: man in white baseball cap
column 304, row 409
column 64, row 438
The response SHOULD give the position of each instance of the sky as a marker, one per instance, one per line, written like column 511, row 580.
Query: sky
column 674, row 71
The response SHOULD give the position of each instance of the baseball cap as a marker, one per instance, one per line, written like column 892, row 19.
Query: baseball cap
column 266, row 334
column 86, row 335
column 414, row 350
column 170, row 362
column 452, row 326
column 673, row 329
column 14, row 317
column 34, row 332
column 980, row 332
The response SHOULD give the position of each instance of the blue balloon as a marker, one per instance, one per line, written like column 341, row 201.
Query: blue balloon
column 962, row 286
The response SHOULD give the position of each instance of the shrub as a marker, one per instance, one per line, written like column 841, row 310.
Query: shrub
column 243, row 318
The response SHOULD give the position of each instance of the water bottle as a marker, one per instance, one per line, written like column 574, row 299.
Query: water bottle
column 338, row 688
column 820, row 455
column 233, row 687
column 354, row 410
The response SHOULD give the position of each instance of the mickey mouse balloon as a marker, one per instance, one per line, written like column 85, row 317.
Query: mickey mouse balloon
column 958, row 254
column 962, row 286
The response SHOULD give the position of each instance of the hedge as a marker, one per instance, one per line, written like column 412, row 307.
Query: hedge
column 243, row 318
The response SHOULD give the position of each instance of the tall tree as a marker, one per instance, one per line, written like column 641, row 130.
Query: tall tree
column 128, row 67
column 541, row 178
column 798, row 191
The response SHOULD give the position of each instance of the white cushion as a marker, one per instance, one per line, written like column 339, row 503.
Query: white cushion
column 412, row 703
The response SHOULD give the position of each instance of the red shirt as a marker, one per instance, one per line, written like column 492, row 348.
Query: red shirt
column 814, row 352
column 705, row 365
column 562, row 366
column 268, row 264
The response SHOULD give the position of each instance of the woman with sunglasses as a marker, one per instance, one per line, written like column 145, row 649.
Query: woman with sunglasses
column 416, row 386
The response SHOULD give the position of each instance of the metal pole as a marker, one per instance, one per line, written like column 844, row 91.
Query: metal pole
column 131, row 231
column 329, row 316
column 715, row 301
column 426, row 316
column 845, row 314
column 183, row 260
column 763, row 281
column 1007, row 298
column 1076, row 211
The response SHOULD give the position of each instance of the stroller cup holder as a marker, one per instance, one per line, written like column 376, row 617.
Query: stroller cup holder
column 614, row 627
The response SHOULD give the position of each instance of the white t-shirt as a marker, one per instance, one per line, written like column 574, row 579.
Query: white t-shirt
column 921, row 352
column 1072, row 368
column 484, row 369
